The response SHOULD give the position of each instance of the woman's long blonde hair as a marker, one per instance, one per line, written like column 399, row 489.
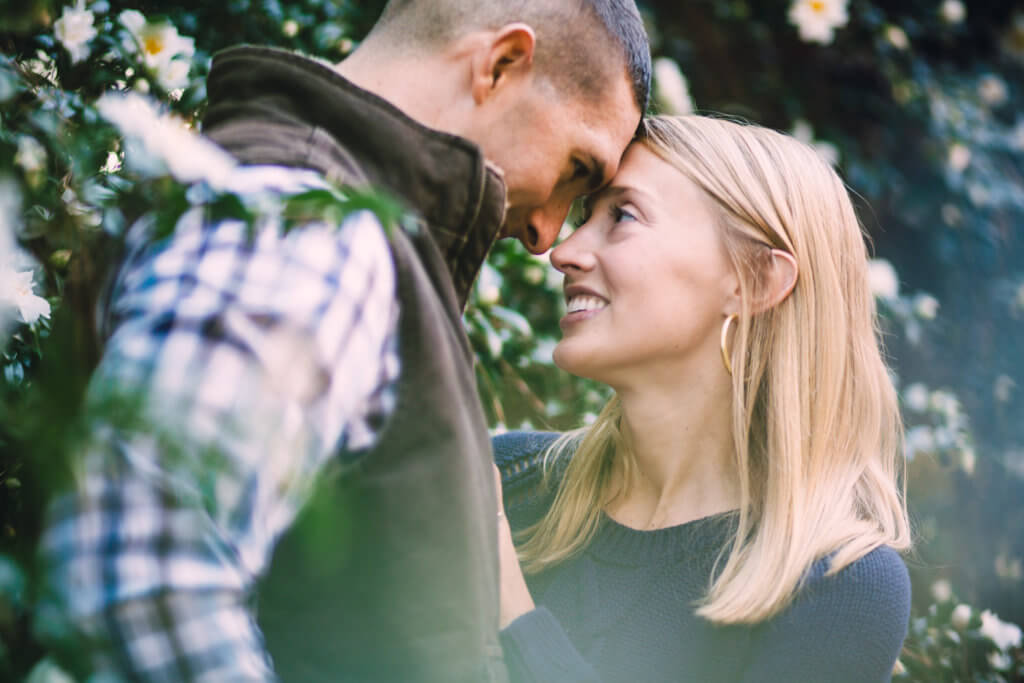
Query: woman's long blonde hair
column 815, row 416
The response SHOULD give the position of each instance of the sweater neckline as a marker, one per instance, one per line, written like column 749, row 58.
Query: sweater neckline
column 619, row 544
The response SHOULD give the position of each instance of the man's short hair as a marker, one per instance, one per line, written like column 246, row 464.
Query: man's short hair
column 578, row 41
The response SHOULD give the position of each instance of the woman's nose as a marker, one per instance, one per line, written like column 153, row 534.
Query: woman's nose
column 573, row 253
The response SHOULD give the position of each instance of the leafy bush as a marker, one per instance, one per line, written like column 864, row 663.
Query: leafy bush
column 915, row 101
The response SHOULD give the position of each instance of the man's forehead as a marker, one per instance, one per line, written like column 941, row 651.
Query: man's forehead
column 607, row 130
column 614, row 101
column 613, row 112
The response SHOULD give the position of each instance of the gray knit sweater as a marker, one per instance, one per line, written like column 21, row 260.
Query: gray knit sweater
column 623, row 610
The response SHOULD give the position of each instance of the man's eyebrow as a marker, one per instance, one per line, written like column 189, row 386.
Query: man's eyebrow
column 597, row 176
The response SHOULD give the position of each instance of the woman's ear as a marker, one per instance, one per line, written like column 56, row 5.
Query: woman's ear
column 777, row 282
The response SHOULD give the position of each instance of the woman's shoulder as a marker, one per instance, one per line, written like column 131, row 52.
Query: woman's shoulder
column 868, row 598
column 880, row 574
column 846, row 626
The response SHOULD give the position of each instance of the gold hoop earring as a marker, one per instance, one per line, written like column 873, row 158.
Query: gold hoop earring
column 726, row 356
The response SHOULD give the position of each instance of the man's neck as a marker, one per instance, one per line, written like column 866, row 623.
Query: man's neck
column 419, row 85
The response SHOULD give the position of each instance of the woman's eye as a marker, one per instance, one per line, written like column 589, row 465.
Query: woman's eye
column 620, row 214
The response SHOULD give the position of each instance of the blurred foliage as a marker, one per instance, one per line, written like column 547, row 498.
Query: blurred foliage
column 916, row 101
column 952, row 642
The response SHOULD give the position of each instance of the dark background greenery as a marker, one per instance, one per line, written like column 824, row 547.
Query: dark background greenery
column 893, row 113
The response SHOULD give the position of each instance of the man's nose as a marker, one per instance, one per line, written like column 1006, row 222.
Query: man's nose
column 543, row 226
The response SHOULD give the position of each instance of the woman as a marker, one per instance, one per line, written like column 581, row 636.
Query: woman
column 735, row 512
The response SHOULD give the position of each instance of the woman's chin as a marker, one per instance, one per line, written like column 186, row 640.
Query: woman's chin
column 576, row 361
column 564, row 358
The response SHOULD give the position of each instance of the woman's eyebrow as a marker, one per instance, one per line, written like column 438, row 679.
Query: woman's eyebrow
column 613, row 191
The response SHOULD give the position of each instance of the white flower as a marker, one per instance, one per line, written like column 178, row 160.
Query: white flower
column 992, row 90
column 173, row 75
column 31, row 155
column 489, row 286
column 671, row 88
column 944, row 438
column 10, row 209
column 1003, row 634
column 290, row 28
column 112, row 164
column 545, row 351
column 17, row 300
column 942, row 590
column 1017, row 136
column 953, row 11
column 1012, row 41
column 897, row 37
column 926, row 306
column 47, row 671
column 978, row 194
column 916, row 397
column 883, row 280
column 154, row 139
column 533, row 274
column 959, row 157
column 16, row 292
column 919, row 439
column 803, row 132
column 43, row 66
column 968, row 459
column 961, row 617
column 75, row 30
column 817, row 20
column 1009, row 567
column 944, row 403
column 1003, row 388
column 951, row 214
column 1000, row 661
column 166, row 54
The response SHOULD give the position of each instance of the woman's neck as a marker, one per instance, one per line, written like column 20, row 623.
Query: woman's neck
column 680, row 437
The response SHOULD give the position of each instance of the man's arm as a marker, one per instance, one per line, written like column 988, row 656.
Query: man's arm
column 237, row 369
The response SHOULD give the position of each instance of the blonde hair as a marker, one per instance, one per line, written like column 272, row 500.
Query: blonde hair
column 814, row 414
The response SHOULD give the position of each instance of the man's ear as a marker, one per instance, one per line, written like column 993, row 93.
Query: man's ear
column 777, row 282
column 507, row 56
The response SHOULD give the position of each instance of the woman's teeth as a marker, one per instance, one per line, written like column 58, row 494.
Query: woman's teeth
column 585, row 303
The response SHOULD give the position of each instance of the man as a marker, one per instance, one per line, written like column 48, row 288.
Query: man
column 325, row 372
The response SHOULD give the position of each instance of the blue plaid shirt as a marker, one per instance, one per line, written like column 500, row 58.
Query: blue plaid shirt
column 237, row 368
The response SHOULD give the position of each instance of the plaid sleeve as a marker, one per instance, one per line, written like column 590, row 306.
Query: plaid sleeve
column 239, row 366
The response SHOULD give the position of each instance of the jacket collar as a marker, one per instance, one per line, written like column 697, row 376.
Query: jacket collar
column 270, row 106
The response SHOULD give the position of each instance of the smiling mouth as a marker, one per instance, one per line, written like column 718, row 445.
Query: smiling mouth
column 584, row 302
